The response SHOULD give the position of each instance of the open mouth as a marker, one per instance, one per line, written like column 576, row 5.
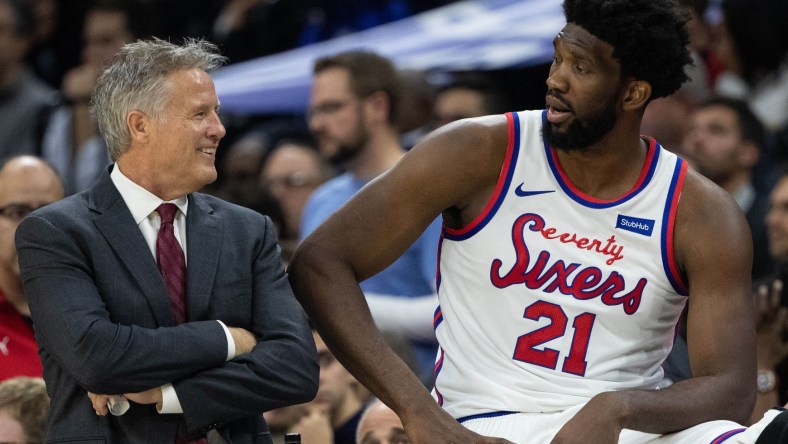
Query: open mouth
column 208, row 151
column 557, row 111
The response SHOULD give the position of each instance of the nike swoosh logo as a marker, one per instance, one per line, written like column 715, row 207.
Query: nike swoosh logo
column 522, row 193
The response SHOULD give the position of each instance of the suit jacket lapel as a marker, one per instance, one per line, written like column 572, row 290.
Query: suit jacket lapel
column 114, row 221
column 203, row 239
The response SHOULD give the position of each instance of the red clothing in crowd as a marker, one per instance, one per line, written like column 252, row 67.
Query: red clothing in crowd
column 18, row 347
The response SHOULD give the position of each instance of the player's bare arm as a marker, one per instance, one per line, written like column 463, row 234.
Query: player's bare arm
column 455, row 169
column 713, row 249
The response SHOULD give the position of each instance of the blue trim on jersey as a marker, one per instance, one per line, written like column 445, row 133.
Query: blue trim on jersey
column 438, row 278
column 591, row 204
column 724, row 437
column 504, row 190
column 484, row 415
column 679, row 288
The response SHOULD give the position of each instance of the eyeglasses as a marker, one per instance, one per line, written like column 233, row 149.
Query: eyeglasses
column 295, row 180
column 17, row 211
column 326, row 108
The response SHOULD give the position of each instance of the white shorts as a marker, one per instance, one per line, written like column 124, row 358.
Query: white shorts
column 538, row 428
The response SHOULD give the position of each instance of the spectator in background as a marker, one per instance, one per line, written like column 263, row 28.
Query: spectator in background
column 380, row 425
column 706, row 64
column 353, row 108
column 43, row 57
column 771, row 301
column 71, row 142
column 25, row 101
column 26, row 183
column 279, row 421
column 292, row 170
column 246, row 29
column 753, row 44
column 468, row 95
column 667, row 119
column 249, row 145
column 724, row 142
column 415, row 111
column 24, row 406
column 240, row 166
column 240, row 185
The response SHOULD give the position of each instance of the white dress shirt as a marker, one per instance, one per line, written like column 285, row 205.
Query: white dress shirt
column 142, row 204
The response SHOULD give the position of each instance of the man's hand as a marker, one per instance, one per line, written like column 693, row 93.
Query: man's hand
column 772, row 322
column 593, row 424
column 100, row 402
column 152, row 396
column 437, row 427
column 244, row 340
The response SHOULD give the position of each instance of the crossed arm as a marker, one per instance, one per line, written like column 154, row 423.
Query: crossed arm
column 78, row 330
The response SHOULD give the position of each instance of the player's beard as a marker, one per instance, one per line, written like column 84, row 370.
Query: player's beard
column 582, row 133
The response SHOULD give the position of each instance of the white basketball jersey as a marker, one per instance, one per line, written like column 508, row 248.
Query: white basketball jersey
column 551, row 296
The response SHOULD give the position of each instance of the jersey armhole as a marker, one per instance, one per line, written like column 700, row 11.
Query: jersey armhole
column 501, row 188
column 668, row 229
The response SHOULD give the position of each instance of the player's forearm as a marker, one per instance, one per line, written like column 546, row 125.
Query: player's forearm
column 329, row 292
column 683, row 404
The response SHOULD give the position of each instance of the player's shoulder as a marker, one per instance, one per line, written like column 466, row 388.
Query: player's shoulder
column 471, row 139
column 475, row 128
column 703, row 203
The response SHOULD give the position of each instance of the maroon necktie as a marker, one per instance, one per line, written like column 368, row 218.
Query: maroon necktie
column 171, row 261
column 172, row 265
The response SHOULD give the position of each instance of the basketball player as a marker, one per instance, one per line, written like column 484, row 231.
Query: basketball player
column 571, row 245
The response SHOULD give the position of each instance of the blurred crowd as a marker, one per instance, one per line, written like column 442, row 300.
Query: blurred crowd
column 730, row 121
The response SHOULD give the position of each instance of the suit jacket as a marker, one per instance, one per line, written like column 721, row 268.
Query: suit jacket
column 103, row 321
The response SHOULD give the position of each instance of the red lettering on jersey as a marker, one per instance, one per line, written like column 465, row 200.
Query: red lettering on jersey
column 587, row 283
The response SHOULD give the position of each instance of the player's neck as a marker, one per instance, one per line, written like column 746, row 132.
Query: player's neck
column 607, row 170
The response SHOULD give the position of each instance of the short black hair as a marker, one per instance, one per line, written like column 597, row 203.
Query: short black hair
column 750, row 126
column 649, row 37
column 493, row 99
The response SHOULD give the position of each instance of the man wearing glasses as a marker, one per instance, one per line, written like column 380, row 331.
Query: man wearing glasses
column 353, row 112
column 26, row 183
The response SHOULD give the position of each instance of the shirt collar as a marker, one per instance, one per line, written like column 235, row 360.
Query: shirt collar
column 140, row 201
column 745, row 197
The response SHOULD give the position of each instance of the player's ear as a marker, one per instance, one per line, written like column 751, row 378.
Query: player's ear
column 637, row 95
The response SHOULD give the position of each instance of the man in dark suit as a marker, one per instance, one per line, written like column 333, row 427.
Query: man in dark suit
column 143, row 290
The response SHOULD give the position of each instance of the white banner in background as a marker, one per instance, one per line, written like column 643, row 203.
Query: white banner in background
column 473, row 34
